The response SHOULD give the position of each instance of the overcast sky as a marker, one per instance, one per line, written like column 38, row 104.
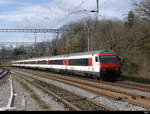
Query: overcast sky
column 53, row 14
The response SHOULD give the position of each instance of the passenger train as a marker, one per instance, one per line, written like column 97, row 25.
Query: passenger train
column 102, row 64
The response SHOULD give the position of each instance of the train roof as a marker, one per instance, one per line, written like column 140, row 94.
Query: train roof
column 67, row 55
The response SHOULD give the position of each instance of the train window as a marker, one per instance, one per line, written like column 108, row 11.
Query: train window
column 42, row 62
column 78, row 62
column 32, row 62
column 109, row 59
column 96, row 59
column 56, row 62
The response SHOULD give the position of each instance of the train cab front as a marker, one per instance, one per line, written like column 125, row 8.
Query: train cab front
column 109, row 65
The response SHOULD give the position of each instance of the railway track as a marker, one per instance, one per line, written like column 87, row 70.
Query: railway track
column 4, row 79
column 3, row 74
column 130, row 85
column 145, row 88
column 71, row 100
column 137, row 100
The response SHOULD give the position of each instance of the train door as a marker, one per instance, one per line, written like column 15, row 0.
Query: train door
column 96, row 63
column 65, row 64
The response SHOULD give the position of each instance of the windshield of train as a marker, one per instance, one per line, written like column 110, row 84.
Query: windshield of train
column 109, row 59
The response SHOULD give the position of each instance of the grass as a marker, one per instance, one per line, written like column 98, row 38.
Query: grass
column 6, row 65
column 34, row 96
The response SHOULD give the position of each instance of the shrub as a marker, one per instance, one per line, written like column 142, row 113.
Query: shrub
column 128, row 66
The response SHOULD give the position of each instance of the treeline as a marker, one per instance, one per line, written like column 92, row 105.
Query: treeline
column 129, row 38
column 26, row 51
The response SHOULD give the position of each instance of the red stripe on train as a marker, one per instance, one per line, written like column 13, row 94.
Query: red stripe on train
column 47, row 62
column 90, row 62
column 67, row 62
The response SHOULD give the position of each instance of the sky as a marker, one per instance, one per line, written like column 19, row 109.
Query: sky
column 53, row 14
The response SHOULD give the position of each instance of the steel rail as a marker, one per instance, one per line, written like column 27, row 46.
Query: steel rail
column 120, row 84
column 4, row 73
column 118, row 95
column 105, row 88
column 140, row 87
column 144, row 87
column 73, row 106
column 9, row 104
column 11, row 93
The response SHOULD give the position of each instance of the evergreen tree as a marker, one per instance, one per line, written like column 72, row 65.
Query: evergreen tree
column 130, row 20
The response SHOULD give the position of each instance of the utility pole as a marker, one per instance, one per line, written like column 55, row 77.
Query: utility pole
column 89, row 39
column 97, row 6
column 97, row 11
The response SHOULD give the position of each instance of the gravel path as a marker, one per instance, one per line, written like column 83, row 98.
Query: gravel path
column 115, row 105
column 4, row 91
column 31, row 104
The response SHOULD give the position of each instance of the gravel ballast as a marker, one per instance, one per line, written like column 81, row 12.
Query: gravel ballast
column 129, row 90
column 18, row 99
column 32, row 104
column 4, row 91
column 114, row 104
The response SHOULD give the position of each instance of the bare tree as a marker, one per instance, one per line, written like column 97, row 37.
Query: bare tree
column 142, row 9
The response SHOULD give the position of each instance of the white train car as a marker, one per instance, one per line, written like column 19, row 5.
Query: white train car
column 102, row 64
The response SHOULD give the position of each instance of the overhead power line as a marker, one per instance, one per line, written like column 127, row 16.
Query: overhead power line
column 40, row 30
column 73, row 12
